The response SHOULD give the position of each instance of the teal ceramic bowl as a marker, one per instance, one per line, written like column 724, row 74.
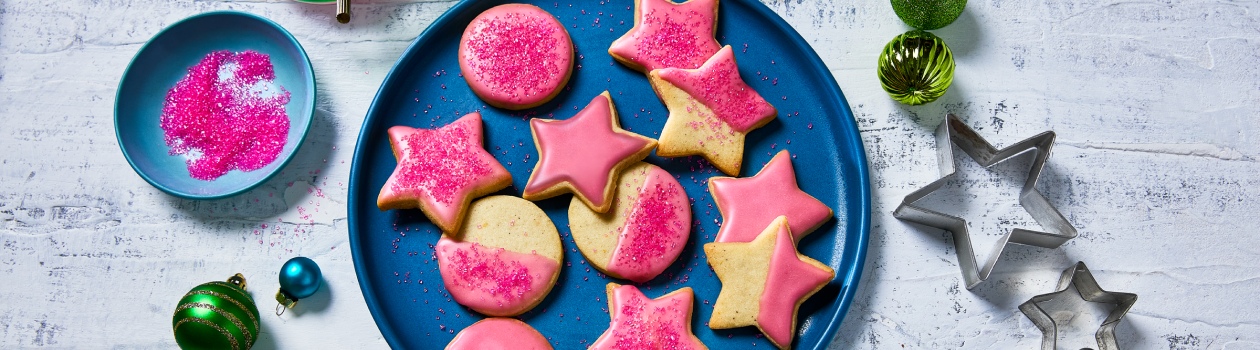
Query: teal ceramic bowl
column 165, row 59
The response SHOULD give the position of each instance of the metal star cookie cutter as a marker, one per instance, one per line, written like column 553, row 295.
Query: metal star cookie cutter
column 1057, row 229
column 1080, row 276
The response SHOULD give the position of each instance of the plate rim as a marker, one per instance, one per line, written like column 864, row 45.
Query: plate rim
column 857, row 247
column 309, row 79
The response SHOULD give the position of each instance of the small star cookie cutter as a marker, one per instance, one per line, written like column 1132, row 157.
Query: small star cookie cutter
column 1089, row 290
column 954, row 131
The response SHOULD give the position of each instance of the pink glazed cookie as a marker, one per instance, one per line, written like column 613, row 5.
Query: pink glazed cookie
column 746, row 203
column 498, row 333
column 668, row 35
column 441, row 170
column 639, row 323
column 584, row 154
column 644, row 231
column 764, row 282
column 504, row 260
column 711, row 110
column 516, row 56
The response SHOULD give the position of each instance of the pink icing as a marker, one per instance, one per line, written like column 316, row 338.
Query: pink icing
column 499, row 334
column 789, row 281
column 670, row 35
column 717, row 85
column 515, row 54
column 656, row 230
column 642, row 323
column 493, row 281
column 441, row 167
column 226, row 114
column 748, row 204
column 583, row 150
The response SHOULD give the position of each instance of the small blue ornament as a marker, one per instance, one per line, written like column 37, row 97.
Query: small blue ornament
column 299, row 278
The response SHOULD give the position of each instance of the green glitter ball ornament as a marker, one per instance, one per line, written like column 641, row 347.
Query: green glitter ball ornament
column 216, row 315
column 928, row 14
column 916, row 68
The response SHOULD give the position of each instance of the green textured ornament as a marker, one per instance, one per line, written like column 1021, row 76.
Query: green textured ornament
column 916, row 68
column 216, row 315
column 928, row 14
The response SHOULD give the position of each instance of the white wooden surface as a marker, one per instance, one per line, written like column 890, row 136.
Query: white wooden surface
column 1155, row 104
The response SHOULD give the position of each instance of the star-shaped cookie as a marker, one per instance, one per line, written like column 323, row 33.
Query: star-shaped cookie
column 711, row 109
column 1079, row 276
column 668, row 35
column 584, row 154
column 747, row 203
column 764, row 282
column 441, row 170
column 642, row 323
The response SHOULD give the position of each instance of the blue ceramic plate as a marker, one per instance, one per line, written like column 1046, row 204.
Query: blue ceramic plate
column 165, row 59
column 393, row 250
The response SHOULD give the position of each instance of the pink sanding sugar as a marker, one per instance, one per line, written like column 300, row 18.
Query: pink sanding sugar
column 729, row 98
column 643, row 328
column 441, row 162
column 480, row 264
column 226, row 114
column 516, row 54
column 673, row 43
column 653, row 227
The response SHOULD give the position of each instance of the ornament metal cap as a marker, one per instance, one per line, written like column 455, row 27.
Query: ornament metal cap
column 237, row 280
column 286, row 302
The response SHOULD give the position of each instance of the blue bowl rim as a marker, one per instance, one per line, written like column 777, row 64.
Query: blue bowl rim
column 857, row 246
column 310, row 80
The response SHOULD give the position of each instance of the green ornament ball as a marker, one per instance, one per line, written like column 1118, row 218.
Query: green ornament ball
column 916, row 68
column 216, row 315
column 928, row 14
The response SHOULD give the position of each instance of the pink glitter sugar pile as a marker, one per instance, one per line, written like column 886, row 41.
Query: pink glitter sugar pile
column 515, row 53
column 495, row 274
column 226, row 114
column 442, row 162
column 653, row 226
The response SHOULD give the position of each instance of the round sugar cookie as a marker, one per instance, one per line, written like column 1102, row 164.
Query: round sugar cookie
column 498, row 333
column 644, row 231
column 504, row 260
column 516, row 56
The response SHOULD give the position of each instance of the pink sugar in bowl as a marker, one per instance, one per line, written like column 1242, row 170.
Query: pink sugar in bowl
column 214, row 105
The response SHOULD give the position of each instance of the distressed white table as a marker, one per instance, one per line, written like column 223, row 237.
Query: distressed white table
column 1155, row 104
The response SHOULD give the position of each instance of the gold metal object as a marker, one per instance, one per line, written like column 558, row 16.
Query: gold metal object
column 343, row 11
column 238, row 280
column 285, row 302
